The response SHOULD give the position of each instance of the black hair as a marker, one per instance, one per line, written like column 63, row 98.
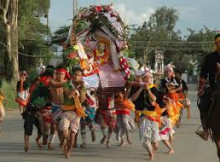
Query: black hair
column 61, row 66
column 217, row 36
column 76, row 69
column 50, row 66
column 92, row 92
column 179, row 72
column 49, row 71
column 160, row 97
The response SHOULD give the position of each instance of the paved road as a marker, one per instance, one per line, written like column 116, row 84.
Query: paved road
column 188, row 147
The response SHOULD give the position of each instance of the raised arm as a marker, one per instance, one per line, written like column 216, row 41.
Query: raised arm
column 135, row 96
column 152, row 94
column 55, row 84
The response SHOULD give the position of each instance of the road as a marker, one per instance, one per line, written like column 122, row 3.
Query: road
column 188, row 147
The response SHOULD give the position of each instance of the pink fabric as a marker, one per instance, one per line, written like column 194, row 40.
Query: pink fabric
column 110, row 78
column 165, row 131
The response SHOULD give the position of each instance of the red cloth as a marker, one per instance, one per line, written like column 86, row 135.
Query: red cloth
column 109, row 117
column 153, row 119
column 125, row 112
column 181, row 96
column 45, row 80
column 21, row 102
column 62, row 70
column 165, row 131
column 47, row 114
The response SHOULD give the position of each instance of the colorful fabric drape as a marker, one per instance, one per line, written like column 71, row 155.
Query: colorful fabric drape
column 77, row 107
column 1, row 100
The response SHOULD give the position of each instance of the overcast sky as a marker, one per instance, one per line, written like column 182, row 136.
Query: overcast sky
column 192, row 13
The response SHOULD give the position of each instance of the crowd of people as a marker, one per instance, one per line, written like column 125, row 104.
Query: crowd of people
column 63, row 104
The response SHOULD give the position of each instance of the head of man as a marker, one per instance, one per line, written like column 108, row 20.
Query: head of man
column 217, row 42
column 138, row 79
column 77, row 75
column 169, row 70
column 138, row 76
column 60, row 74
column 148, row 78
column 23, row 75
column 178, row 74
column 169, row 73
column 49, row 71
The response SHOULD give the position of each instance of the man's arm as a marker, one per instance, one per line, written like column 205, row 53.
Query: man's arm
column 135, row 96
column 152, row 94
column 203, row 76
column 70, row 93
column 82, row 96
column 55, row 84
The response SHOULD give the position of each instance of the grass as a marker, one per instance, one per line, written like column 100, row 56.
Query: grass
column 9, row 90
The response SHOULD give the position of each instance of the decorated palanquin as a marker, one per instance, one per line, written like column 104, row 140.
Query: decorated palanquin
column 97, row 42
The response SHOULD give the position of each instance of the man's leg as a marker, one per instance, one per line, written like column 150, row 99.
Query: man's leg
column 28, row 128
column 64, row 138
column 92, row 129
column 148, row 146
column 127, row 125
column 64, row 128
column 217, row 142
column 70, row 144
column 26, row 143
column 167, row 143
column 83, row 135
column 74, row 127
column 46, row 133
column 39, row 133
column 52, row 136
column 110, row 131
column 205, row 102
column 103, row 129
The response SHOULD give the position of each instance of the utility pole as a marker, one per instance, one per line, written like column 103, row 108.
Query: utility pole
column 75, row 8
column 74, row 23
column 46, row 16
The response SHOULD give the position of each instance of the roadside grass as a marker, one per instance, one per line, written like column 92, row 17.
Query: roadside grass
column 9, row 91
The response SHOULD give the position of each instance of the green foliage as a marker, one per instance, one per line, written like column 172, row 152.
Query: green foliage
column 60, row 35
column 203, row 43
column 159, row 34
column 81, row 25
column 70, row 62
column 164, row 19
column 32, row 75
column 30, row 25
column 32, row 32
column 156, row 34
column 9, row 91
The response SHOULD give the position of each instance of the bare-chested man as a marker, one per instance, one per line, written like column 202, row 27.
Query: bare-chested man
column 61, row 76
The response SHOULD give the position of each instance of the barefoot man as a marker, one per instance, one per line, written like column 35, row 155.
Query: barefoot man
column 61, row 75
column 72, row 111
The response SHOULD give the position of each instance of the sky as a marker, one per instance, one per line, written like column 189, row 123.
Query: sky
column 194, row 14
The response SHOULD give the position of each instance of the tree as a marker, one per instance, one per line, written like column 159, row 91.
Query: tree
column 9, row 14
column 60, row 35
column 156, row 34
column 33, row 34
column 200, row 42
column 14, row 38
